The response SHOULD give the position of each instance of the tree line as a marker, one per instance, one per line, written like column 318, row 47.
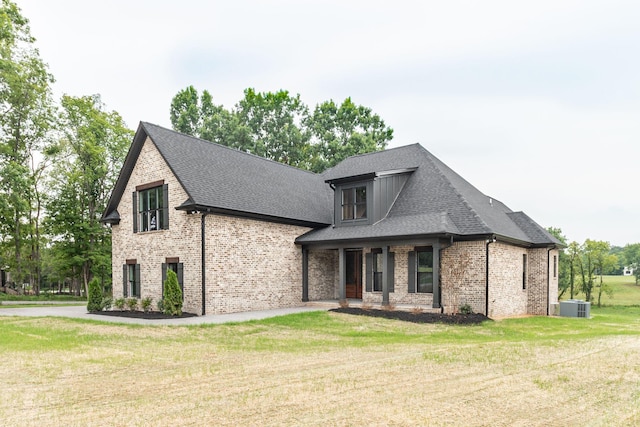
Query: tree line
column 582, row 266
column 59, row 159
column 58, row 163
column 281, row 127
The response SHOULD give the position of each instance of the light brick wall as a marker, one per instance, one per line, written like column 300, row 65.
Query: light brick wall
column 462, row 274
column 541, row 268
column 324, row 278
column 506, row 296
column 152, row 247
column 250, row 264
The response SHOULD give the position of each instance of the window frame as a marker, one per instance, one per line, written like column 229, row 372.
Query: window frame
column 151, row 207
column 524, row 271
column 418, row 251
column 353, row 204
column 132, row 286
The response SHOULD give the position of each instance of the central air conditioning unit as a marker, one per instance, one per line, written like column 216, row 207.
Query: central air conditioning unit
column 575, row 308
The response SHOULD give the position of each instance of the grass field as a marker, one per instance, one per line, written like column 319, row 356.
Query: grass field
column 625, row 291
column 324, row 368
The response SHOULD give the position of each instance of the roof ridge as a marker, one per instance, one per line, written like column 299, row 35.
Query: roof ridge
column 431, row 158
column 228, row 148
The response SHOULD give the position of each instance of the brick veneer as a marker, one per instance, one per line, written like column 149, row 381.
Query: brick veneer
column 250, row 264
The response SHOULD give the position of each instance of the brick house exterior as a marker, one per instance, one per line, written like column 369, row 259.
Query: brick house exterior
column 245, row 233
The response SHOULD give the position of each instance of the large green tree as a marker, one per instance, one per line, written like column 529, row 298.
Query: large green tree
column 88, row 158
column 565, row 271
column 344, row 130
column 279, row 126
column 631, row 258
column 26, row 117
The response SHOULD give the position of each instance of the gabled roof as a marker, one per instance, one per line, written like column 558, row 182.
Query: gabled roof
column 225, row 180
column 435, row 201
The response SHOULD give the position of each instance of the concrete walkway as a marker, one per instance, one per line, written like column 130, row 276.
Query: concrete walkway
column 80, row 312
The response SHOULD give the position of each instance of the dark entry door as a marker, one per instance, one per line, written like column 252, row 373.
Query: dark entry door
column 354, row 274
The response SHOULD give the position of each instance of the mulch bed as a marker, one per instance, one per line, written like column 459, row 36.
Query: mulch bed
column 408, row 316
column 151, row 315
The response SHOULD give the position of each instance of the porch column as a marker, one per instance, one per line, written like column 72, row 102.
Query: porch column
column 305, row 274
column 342, row 268
column 385, row 275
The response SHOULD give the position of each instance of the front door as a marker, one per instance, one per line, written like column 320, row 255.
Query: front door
column 354, row 274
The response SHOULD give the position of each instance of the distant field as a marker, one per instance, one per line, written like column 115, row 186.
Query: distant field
column 625, row 291
column 319, row 368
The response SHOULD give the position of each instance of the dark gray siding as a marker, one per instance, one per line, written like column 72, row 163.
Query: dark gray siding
column 385, row 192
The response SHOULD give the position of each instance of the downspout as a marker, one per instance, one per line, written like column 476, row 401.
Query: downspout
column 486, row 291
column 549, row 277
column 203, row 260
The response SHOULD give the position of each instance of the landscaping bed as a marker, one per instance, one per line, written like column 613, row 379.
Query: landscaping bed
column 416, row 317
column 151, row 315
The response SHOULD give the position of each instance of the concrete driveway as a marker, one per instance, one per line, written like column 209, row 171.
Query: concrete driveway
column 80, row 312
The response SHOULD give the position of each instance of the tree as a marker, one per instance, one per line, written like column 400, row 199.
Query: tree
column 591, row 258
column 278, row 126
column 631, row 258
column 343, row 131
column 94, row 298
column 565, row 273
column 573, row 259
column 26, row 117
column 172, row 298
column 274, row 122
column 88, row 158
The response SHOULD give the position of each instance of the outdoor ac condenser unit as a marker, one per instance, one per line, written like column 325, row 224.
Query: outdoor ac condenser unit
column 575, row 308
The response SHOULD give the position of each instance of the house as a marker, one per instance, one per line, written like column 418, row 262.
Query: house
column 392, row 227
column 628, row 271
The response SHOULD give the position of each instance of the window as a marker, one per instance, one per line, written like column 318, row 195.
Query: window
column 176, row 266
column 131, row 279
column 377, row 272
column 555, row 266
column 150, row 206
column 374, row 264
column 524, row 271
column 354, row 203
column 424, row 258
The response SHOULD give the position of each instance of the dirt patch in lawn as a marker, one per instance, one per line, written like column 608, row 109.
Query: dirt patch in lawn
column 417, row 317
column 151, row 315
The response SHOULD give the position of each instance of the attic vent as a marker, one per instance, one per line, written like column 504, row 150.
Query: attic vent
column 575, row 308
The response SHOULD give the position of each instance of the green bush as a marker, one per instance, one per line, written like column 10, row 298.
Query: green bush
column 172, row 298
column 160, row 305
column 119, row 303
column 107, row 302
column 146, row 304
column 466, row 309
column 94, row 301
column 132, row 304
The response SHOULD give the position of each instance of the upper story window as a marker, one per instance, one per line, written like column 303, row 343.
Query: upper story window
column 150, row 207
column 354, row 203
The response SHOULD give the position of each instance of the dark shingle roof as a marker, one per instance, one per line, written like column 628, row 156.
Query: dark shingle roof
column 219, row 177
column 434, row 201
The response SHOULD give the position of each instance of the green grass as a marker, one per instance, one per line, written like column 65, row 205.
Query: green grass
column 41, row 297
column 300, row 369
column 625, row 292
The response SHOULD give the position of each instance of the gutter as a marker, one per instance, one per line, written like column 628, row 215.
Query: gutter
column 491, row 240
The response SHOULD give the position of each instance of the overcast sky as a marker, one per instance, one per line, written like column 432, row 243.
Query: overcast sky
column 536, row 103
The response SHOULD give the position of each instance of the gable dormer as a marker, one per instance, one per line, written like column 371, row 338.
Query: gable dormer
column 366, row 199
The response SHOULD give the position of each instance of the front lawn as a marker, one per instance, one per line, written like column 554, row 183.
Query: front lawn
column 323, row 368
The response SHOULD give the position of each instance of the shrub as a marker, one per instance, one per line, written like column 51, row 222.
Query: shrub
column 160, row 305
column 106, row 303
column 172, row 298
column 119, row 303
column 94, row 300
column 146, row 304
column 132, row 304
column 466, row 309
column 344, row 303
